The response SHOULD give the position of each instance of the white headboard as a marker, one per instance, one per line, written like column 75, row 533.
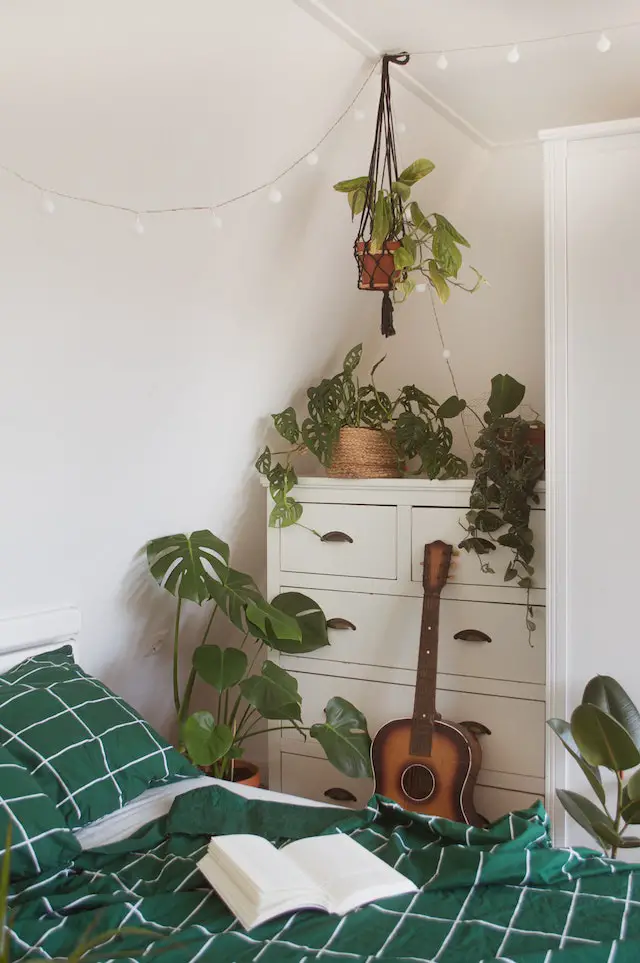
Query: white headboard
column 22, row 636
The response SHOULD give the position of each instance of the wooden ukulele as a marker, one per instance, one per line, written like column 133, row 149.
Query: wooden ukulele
column 424, row 763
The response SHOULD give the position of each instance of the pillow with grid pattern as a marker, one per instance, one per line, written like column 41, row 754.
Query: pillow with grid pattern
column 89, row 751
column 40, row 839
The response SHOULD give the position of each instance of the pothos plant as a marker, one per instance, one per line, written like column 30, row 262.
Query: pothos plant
column 429, row 243
column 196, row 569
column 415, row 419
column 507, row 467
column 604, row 732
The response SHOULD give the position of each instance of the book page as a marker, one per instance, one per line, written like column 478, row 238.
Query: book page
column 257, row 867
column 348, row 873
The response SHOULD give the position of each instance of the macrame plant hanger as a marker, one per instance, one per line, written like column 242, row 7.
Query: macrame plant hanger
column 381, row 220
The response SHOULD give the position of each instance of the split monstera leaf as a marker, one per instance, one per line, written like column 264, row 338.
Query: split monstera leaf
column 195, row 568
column 604, row 733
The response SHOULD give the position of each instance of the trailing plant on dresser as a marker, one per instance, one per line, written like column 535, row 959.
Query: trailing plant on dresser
column 408, row 432
column 244, row 697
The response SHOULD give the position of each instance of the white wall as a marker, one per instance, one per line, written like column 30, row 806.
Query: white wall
column 137, row 373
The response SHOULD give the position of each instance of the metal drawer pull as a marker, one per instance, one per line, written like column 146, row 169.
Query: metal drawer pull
column 343, row 795
column 472, row 635
column 336, row 537
column 478, row 728
column 340, row 624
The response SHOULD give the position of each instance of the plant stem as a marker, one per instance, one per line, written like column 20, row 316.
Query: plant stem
column 188, row 689
column 259, row 732
column 176, row 649
column 616, row 825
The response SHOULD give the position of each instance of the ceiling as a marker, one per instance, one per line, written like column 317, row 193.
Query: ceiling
column 555, row 83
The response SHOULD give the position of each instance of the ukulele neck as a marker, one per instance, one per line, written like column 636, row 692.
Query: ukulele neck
column 424, row 706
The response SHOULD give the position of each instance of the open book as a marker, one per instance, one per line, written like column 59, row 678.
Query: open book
column 331, row 873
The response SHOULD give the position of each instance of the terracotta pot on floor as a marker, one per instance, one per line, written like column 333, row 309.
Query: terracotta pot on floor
column 246, row 774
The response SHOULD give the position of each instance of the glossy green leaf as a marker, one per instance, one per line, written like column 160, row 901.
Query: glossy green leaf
column 631, row 811
column 439, row 282
column 608, row 695
column 352, row 359
column 488, row 521
column 236, row 593
column 263, row 462
column 563, row 731
column 452, row 407
column 585, row 813
column 601, row 740
column 418, row 218
column 446, row 253
column 506, row 395
column 446, row 225
column 410, row 246
column 180, row 563
column 416, row 171
column 402, row 190
column 274, row 693
column 402, row 259
column 357, row 200
column 205, row 741
column 286, row 424
column 310, row 618
column 220, row 668
column 633, row 786
column 344, row 738
column 355, row 183
column 319, row 439
column 381, row 223
column 285, row 513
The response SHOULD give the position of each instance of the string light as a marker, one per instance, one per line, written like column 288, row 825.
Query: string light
column 446, row 354
column 275, row 196
column 138, row 226
column 442, row 63
column 401, row 127
column 514, row 54
column 216, row 220
column 421, row 288
column 598, row 31
column 312, row 158
column 603, row 44
column 48, row 205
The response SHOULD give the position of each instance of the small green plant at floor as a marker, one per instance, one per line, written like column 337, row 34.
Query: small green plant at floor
column 196, row 568
column 604, row 733
column 415, row 420
column 429, row 244
column 507, row 468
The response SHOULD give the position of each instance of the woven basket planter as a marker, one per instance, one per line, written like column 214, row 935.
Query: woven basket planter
column 364, row 453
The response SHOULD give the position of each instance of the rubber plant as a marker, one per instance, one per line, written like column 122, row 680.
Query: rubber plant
column 415, row 419
column 428, row 245
column 195, row 568
column 507, row 468
column 604, row 733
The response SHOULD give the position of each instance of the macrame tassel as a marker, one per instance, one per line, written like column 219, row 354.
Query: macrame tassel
column 386, row 326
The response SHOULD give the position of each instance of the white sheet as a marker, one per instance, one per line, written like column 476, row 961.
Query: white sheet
column 155, row 803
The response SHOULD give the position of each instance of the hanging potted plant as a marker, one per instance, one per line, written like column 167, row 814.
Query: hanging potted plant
column 246, row 702
column 507, row 469
column 396, row 242
column 357, row 431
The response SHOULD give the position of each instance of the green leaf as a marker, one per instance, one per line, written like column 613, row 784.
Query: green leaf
column 406, row 286
column 601, row 740
column 446, row 253
column 633, row 786
column 285, row 513
column 205, row 741
column 319, row 439
column 607, row 833
column 488, row 521
column 446, row 225
column 345, row 187
column 481, row 546
column 180, row 563
column 419, row 220
column 310, row 618
column 274, row 693
column 631, row 812
column 220, row 668
column 236, row 593
column 506, row 395
column 381, row 223
column 410, row 245
column 402, row 259
column 452, row 407
column 608, row 695
column 563, row 731
column 585, row 813
column 344, row 738
column 357, row 200
column 402, row 190
column 286, row 424
column 375, row 367
column 263, row 463
column 439, row 282
column 352, row 359
column 416, row 171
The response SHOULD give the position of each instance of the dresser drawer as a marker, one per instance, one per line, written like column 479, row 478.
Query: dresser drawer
column 429, row 524
column 516, row 743
column 387, row 633
column 314, row 778
column 369, row 551
column 492, row 803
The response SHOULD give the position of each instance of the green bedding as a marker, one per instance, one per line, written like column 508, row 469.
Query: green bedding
column 500, row 893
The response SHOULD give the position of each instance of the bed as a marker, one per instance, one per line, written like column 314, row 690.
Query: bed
column 129, row 879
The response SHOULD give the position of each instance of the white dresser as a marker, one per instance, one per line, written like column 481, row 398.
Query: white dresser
column 371, row 580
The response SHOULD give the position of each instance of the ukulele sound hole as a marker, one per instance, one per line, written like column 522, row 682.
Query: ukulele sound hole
column 418, row 782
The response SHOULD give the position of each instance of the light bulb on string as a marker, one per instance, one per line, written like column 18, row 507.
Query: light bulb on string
column 401, row 127
column 603, row 44
column 514, row 55
column 421, row 288
column 442, row 63
column 138, row 226
column 446, row 354
column 359, row 114
column 216, row 220
column 312, row 158
column 48, row 205
column 275, row 196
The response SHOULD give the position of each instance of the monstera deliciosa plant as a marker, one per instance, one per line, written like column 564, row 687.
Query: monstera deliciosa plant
column 195, row 568
column 604, row 733
column 415, row 422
